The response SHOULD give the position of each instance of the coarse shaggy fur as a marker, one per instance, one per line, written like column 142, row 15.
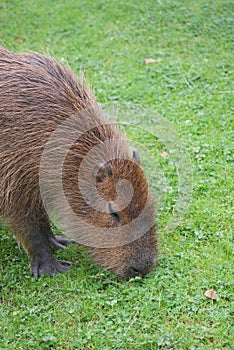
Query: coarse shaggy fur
column 38, row 95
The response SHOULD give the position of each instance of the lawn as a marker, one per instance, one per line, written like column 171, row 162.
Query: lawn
column 188, row 91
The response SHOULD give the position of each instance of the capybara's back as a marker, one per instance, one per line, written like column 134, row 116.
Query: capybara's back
column 36, row 95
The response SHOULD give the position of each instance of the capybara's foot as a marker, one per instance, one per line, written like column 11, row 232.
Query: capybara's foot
column 47, row 265
column 60, row 242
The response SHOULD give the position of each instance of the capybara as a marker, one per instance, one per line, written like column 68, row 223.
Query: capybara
column 37, row 97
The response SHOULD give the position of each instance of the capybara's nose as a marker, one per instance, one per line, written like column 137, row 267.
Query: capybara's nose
column 141, row 269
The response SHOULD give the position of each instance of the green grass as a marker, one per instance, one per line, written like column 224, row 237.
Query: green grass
column 191, row 87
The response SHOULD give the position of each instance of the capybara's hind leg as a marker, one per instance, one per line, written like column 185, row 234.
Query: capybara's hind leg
column 34, row 236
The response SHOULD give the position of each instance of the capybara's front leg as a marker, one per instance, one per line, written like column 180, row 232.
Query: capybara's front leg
column 43, row 262
column 34, row 237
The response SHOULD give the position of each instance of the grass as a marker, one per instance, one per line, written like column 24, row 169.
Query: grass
column 190, row 86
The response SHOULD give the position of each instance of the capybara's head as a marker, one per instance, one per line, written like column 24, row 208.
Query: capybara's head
column 117, row 211
column 130, row 211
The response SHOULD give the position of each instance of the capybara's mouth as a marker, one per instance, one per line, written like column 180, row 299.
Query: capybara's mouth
column 137, row 270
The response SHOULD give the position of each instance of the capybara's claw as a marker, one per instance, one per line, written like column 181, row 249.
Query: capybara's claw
column 65, row 263
column 60, row 242
column 51, row 266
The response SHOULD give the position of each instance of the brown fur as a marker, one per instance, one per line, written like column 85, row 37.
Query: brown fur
column 36, row 95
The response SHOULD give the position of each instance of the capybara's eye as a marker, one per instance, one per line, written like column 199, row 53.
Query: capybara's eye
column 103, row 172
column 115, row 216
column 113, row 213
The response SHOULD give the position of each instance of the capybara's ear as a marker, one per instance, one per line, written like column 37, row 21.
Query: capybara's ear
column 103, row 171
column 136, row 156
